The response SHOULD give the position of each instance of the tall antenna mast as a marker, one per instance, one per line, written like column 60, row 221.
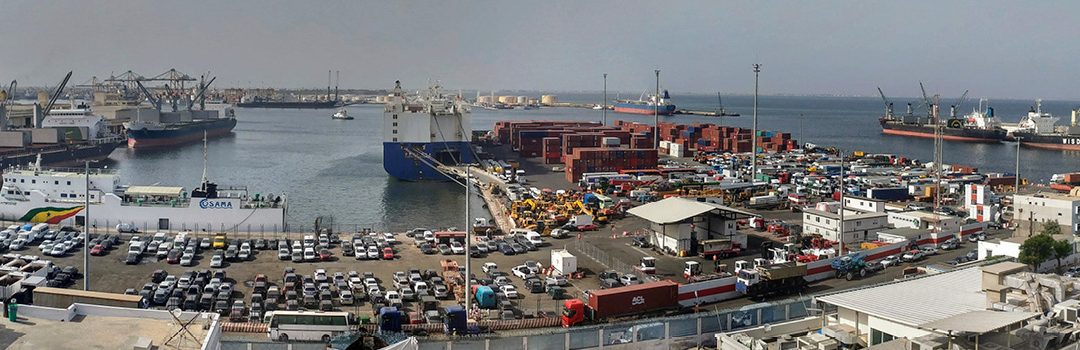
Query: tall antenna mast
column 337, row 80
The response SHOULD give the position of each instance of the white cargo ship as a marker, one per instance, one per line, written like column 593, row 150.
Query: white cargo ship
column 57, row 196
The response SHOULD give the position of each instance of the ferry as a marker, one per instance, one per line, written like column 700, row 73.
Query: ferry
column 421, row 132
column 647, row 106
column 58, row 196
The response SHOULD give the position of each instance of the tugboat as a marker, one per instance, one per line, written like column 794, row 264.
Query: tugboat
column 342, row 114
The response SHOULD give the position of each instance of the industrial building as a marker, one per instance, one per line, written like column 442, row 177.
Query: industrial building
column 678, row 224
column 1045, row 207
column 925, row 220
column 996, row 306
column 859, row 226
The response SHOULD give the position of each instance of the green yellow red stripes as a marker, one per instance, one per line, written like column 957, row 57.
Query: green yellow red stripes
column 50, row 215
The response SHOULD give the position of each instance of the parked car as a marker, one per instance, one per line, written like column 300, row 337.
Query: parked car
column 928, row 250
column 509, row 291
column 388, row 253
column 912, row 255
column 628, row 279
column 891, row 260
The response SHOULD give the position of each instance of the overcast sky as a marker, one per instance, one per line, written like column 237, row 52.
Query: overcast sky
column 995, row 48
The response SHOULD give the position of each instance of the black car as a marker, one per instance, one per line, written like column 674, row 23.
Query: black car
column 232, row 254
column 506, row 249
column 518, row 249
column 426, row 248
column 158, row 276
column 641, row 242
column 529, row 246
column 132, row 259
column 347, row 250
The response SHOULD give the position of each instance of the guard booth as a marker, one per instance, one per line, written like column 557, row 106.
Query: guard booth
column 677, row 225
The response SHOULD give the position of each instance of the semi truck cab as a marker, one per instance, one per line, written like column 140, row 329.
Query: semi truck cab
column 648, row 265
column 573, row 312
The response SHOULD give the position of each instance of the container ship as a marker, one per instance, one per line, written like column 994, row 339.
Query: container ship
column 178, row 128
column 422, row 132
column 56, row 196
column 1039, row 130
column 647, row 106
column 979, row 126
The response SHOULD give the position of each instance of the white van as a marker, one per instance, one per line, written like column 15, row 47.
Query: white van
column 534, row 238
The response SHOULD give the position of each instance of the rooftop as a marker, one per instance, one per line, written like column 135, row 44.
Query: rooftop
column 98, row 332
column 847, row 217
column 905, row 232
column 919, row 301
column 925, row 215
column 1051, row 195
column 677, row 209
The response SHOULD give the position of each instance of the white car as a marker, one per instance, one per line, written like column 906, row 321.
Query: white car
column 457, row 248
column 320, row 276
column 17, row 244
column 891, row 260
column 502, row 281
column 356, row 283
column 168, row 282
column 371, row 283
column 912, row 255
column 929, row 250
column 394, row 298
column 490, row 267
column 390, row 239
column 521, row 271
column 429, row 236
column 557, row 280
column 309, row 254
column 373, row 252
column 629, row 279
column 187, row 260
column 58, row 250
column 216, row 261
column 509, row 291
column 560, row 233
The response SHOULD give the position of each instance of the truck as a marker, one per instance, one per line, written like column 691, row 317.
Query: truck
column 766, row 279
column 638, row 299
column 853, row 266
column 692, row 272
column 761, row 202
column 647, row 265
column 718, row 248
column 581, row 222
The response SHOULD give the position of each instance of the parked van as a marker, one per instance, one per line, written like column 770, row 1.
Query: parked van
column 534, row 238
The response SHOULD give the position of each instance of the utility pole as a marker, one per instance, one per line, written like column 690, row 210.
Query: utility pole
column 753, row 136
column 468, row 242
column 841, row 241
column 86, row 231
column 656, row 113
column 604, row 105
column 1016, row 188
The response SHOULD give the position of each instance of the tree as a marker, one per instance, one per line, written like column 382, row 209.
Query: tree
column 1036, row 250
column 1062, row 249
column 1051, row 228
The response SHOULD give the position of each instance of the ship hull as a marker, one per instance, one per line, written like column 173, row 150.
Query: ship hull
column 630, row 108
column 950, row 134
column 220, row 214
column 182, row 134
column 64, row 156
column 399, row 164
column 290, row 105
column 1055, row 142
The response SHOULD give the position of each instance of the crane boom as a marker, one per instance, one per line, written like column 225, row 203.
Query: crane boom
column 56, row 94
column 959, row 103
column 202, row 91
column 11, row 89
column 156, row 102
column 888, row 105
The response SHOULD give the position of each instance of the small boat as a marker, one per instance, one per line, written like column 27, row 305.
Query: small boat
column 722, row 112
column 342, row 114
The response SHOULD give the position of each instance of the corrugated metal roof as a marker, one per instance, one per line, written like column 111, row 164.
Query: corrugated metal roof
column 918, row 301
column 677, row 209
column 154, row 191
column 982, row 321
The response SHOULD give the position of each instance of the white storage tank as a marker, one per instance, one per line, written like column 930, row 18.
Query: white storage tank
column 548, row 100
column 522, row 100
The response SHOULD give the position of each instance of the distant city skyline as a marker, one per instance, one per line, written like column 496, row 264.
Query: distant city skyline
column 996, row 49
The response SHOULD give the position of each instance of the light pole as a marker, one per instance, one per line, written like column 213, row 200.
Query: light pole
column 656, row 113
column 1017, row 185
column 753, row 136
column 468, row 242
column 86, row 230
column 841, row 235
column 604, row 105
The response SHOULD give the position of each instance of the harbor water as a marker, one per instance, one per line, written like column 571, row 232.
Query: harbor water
column 333, row 168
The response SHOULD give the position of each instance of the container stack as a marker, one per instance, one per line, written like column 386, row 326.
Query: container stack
column 598, row 159
column 713, row 138
column 552, row 150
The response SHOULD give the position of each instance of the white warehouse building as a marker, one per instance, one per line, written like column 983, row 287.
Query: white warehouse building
column 858, row 226
column 1046, row 207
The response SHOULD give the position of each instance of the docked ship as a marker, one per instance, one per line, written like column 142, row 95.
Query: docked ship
column 57, row 196
column 63, row 137
column 178, row 128
column 978, row 126
column 423, row 132
column 647, row 105
column 1039, row 129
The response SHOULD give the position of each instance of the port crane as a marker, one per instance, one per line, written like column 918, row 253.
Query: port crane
column 888, row 105
column 55, row 95
column 938, row 143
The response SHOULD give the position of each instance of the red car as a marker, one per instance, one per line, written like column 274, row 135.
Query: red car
column 589, row 227
column 388, row 253
column 325, row 255
column 97, row 250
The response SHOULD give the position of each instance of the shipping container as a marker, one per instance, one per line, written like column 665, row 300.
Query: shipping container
column 634, row 299
column 889, row 194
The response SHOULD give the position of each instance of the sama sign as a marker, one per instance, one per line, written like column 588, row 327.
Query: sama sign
column 207, row 203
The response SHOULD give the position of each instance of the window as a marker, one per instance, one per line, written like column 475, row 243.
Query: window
column 69, row 183
column 33, row 181
column 878, row 337
column 56, row 182
column 395, row 116
column 22, row 181
column 395, row 123
column 395, row 131
column 63, row 195
column 395, row 139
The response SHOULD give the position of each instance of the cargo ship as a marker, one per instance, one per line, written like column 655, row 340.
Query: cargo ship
column 647, row 106
column 62, row 137
column 156, row 133
column 56, row 196
column 423, row 132
column 1039, row 130
column 978, row 126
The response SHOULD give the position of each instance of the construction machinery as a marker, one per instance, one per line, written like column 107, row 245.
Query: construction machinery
column 719, row 248
column 853, row 266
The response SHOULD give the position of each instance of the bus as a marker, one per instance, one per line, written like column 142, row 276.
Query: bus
column 306, row 325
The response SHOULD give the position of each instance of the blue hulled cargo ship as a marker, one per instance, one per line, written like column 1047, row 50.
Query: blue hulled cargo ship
column 422, row 132
column 647, row 106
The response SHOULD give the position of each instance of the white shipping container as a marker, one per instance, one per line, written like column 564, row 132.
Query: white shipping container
column 563, row 261
column 610, row 141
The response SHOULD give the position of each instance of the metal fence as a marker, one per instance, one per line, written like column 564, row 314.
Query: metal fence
column 676, row 332
column 602, row 257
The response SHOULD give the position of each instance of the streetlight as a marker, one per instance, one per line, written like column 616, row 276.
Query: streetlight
column 604, row 105
column 753, row 136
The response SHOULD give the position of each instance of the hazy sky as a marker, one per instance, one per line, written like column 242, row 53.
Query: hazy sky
column 995, row 48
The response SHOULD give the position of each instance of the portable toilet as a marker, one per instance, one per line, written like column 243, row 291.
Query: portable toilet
column 485, row 297
column 389, row 319
column 456, row 320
